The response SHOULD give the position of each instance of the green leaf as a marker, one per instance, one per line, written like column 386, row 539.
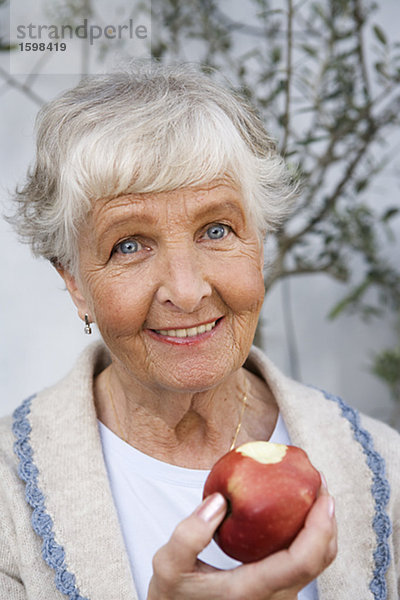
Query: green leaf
column 360, row 185
column 276, row 54
column 380, row 67
column 379, row 34
column 354, row 296
column 311, row 140
column 389, row 214
column 387, row 366
column 309, row 50
column 8, row 47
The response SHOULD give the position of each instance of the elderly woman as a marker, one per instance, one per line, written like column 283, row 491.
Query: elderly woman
column 152, row 192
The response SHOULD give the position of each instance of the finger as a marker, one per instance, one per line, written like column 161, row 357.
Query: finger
column 324, row 486
column 316, row 545
column 319, row 528
column 189, row 538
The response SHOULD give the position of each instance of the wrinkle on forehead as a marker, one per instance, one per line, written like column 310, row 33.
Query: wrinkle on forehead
column 128, row 199
column 163, row 206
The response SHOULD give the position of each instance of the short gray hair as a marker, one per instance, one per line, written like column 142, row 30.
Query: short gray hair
column 150, row 128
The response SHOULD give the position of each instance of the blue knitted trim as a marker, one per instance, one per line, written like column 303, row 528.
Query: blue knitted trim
column 42, row 523
column 381, row 492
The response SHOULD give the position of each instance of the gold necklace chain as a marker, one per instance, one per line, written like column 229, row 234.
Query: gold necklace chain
column 239, row 425
column 122, row 435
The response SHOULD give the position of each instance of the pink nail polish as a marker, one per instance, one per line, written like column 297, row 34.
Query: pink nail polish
column 331, row 507
column 211, row 507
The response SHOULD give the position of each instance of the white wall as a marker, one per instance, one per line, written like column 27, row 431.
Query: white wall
column 41, row 335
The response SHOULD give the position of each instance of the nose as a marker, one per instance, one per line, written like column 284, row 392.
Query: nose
column 183, row 281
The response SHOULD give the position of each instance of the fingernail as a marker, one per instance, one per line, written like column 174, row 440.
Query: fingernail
column 211, row 507
column 323, row 480
column 331, row 507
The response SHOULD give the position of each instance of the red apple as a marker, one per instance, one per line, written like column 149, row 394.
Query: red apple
column 269, row 489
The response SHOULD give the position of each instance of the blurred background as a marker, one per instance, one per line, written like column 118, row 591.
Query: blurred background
column 325, row 78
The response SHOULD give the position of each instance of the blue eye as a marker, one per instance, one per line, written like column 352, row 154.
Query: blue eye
column 217, row 231
column 128, row 246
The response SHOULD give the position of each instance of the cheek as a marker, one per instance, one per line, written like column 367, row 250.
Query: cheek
column 243, row 291
column 243, row 286
column 120, row 305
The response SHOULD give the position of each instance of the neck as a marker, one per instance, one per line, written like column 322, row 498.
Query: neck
column 184, row 428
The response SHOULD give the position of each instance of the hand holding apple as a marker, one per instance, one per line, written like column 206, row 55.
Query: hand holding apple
column 178, row 573
column 269, row 489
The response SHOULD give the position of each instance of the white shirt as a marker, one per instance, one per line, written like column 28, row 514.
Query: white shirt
column 152, row 497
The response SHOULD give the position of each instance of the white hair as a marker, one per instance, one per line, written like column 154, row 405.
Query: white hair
column 150, row 128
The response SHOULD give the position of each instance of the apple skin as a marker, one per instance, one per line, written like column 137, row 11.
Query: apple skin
column 267, row 501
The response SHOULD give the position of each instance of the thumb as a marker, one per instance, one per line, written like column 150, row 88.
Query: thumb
column 190, row 537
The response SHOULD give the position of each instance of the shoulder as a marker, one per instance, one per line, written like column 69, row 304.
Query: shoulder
column 326, row 425
column 311, row 404
column 306, row 410
column 7, row 457
column 14, row 449
column 387, row 437
column 5, row 432
column 44, row 417
column 12, row 489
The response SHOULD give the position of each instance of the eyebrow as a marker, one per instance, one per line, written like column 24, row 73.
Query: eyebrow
column 126, row 204
column 223, row 206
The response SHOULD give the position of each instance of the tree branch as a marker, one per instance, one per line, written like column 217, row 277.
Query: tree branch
column 330, row 201
column 22, row 87
column 289, row 50
column 277, row 273
column 359, row 21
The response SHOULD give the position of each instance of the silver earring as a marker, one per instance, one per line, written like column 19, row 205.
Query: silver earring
column 87, row 329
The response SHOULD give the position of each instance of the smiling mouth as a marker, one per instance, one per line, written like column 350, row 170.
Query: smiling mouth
column 190, row 332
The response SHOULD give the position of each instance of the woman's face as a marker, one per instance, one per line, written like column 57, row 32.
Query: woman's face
column 174, row 282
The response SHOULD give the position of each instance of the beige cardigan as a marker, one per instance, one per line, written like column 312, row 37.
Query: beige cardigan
column 57, row 466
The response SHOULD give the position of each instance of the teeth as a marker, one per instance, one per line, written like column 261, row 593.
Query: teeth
column 192, row 331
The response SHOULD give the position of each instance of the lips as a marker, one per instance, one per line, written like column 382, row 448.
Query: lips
column 187, row 332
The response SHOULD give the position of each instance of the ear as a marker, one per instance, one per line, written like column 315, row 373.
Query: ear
column 75, row 292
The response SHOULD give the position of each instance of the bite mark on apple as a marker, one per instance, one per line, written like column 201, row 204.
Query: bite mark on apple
column 264, row 452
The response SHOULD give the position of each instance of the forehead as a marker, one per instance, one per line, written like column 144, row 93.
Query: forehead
column 191, row 203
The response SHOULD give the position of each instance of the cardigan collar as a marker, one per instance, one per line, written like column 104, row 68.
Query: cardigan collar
column 69, row 483
column 82, row 542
